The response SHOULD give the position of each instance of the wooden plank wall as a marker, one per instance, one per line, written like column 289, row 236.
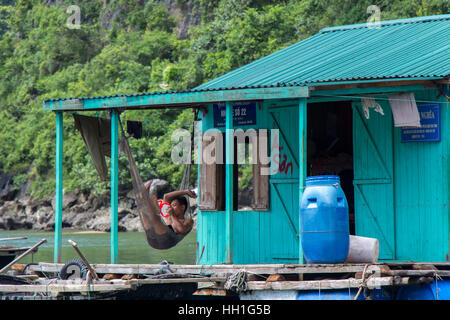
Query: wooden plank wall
column 421, row 199
column 374, row 177
column 258, row 236
column 421, row 192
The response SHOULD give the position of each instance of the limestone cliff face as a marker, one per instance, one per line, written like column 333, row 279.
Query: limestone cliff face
column 186, row 15
column 83, row 210
column 184, row 11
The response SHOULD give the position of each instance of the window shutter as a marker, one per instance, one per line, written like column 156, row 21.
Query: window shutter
column 211, row 176
column 261, row 185
column 207, row 187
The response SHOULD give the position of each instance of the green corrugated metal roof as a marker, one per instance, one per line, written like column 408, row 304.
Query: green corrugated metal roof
column 417, row 48
column 398, row 49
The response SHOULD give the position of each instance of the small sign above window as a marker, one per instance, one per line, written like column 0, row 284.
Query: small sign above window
column 243, row 114
column 430, row 125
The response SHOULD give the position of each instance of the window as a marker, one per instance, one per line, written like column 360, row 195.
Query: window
column 250, row 187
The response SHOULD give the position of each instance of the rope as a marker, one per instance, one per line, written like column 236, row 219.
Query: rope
column 363, row 283
column 187, row 170
column 319, row 289
column 165, row 268
column 349, row 290
column 237, row 282
column 48, row 283
column 436, row 277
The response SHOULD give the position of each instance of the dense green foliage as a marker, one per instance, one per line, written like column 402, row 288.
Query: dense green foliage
column 126, row 46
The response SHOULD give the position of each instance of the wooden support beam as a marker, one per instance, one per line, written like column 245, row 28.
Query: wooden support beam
column 175, row 98
column 372, row 283
column 220, row 270
column 176, row 280
column 443, row 81
column 420, row 273
column 369, row 85
column 81, row 286
column 57, row 288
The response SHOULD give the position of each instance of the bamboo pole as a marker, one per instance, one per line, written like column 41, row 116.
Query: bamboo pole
column 16, row 238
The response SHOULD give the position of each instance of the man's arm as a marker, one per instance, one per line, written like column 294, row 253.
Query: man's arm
column 181, row 227
column 168, row 197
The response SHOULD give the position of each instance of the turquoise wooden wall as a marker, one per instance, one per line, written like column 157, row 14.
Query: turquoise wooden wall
column 401, row 193
column 374, row 176
column 421, row 193
column 260, row 236
column 401, row 189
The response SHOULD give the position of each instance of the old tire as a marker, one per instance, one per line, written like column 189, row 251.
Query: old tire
column 74, row 269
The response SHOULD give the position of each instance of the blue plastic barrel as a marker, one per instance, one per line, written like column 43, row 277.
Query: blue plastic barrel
column 324, row 220
column 437, row 290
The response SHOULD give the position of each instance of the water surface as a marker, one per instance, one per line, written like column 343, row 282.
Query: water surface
column 95, row 246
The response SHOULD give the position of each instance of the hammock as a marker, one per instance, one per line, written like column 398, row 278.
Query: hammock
column 159, row 235
column 95, row 133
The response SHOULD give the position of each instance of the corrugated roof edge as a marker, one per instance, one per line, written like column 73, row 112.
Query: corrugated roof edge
column 177, row 91
column 386, row 23
column 278, row 85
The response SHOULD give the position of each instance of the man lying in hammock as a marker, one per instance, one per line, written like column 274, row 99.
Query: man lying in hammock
column 160, row 233
column 174, row 217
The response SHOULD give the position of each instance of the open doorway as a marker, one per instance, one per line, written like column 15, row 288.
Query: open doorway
column 330, row 146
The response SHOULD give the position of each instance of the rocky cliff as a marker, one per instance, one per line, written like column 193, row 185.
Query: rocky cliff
column 81, row 211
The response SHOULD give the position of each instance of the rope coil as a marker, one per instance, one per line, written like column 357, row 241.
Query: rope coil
column 237, row 282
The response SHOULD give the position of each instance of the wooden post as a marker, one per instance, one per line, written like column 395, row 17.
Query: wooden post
column 75, row 246
column 229, row 160
column 114, row 185
column 302, row 163
column 59, row 187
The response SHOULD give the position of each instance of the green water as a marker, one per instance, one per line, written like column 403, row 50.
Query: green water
column 133, row 247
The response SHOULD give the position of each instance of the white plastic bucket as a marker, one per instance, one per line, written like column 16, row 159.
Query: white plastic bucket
column 363, row 250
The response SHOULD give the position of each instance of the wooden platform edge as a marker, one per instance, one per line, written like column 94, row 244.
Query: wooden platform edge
column 218, row 270
column 372, row 283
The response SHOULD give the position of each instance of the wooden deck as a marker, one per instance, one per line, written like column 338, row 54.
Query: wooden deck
column 211, row 280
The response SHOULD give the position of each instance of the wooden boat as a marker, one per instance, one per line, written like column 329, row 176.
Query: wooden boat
column 9, row 253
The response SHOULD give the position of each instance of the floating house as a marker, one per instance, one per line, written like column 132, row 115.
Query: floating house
column 367, row 102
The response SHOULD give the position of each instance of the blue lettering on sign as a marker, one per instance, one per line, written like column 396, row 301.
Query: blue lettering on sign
column 430, row 125
column 243, row 114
